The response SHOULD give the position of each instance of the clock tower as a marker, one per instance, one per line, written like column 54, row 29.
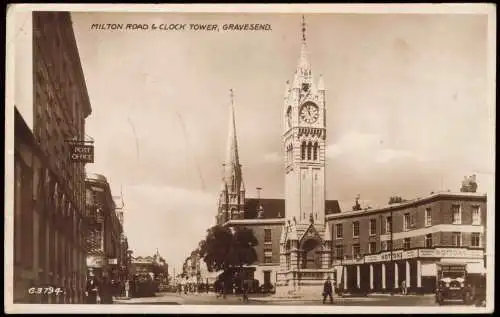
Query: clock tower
column 304, row 139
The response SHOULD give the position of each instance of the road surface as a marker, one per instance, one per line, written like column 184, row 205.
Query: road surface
column 212, row 299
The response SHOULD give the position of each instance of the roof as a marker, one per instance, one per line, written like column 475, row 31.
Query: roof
column 413, row 203
column 272, row 208
column 96, row 177
column 275, row 207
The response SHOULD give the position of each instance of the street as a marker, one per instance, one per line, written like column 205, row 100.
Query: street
column 211, row 299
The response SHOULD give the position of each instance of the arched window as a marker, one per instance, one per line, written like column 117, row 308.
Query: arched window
column 315, row 152
column 309, row 149
column 303, row 150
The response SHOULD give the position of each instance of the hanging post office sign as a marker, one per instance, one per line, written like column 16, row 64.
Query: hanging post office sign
column 82, row 153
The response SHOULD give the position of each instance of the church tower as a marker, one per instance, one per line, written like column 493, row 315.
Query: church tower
column 304, row 136
column 232, row 194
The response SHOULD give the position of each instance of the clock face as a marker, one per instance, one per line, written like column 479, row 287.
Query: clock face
column 289, row 116
column 309, row 113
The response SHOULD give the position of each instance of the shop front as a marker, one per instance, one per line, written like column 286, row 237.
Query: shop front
column 416, row 269
column 96, row 266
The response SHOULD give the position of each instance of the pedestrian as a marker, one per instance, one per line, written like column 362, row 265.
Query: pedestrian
column 403, row 287
column 92, row 290
column 106, row 291
column 127, row 288
column 327, row 290
column 223, row 289
column 244, row 288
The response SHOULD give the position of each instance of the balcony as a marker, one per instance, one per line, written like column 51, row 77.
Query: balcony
column 94, row 215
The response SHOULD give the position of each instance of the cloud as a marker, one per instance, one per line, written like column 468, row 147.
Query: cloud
column 369, row 146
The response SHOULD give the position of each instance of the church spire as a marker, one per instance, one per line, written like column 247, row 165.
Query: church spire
column 233, row 176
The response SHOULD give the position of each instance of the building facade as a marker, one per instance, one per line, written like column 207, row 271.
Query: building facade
column 105, row 237
column 49, row 248
column 378, row 249
column 304, row 238
column 154, row 265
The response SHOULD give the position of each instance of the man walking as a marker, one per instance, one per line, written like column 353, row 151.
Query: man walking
column 244, row 290
column 92, row 289
column 327, row 290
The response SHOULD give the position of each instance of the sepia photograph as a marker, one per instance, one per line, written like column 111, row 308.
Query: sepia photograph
column 250, row 158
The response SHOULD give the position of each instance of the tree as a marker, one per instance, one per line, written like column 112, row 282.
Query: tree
column 225, row 249
column 396, row 200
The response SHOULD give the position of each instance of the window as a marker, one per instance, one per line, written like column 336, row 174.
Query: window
column 309, row 149
column 315, row 151
column 267, row 236
column 355, row 229
column 389, row 245
column 428, row 240
column 456, row 215
column 373, row 227
column 457, row 239
column 339, row 252
column 475, row 239
column 406, row 222
column 268, row 257
column 372, row 247
column 383, row 245
column 428, row 217
column 339, row 228
column 476, row 215
column 303, row 150
column 406, row 243
column 356, row 250
column 388, row 224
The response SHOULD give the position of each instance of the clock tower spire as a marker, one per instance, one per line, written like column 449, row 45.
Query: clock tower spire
column 304, row 142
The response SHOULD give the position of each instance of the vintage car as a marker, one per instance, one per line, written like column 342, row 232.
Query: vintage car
column 452, row 284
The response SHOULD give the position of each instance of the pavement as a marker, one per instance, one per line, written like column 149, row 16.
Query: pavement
column 212, row 299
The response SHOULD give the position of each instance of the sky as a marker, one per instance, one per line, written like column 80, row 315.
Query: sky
column 407, row 107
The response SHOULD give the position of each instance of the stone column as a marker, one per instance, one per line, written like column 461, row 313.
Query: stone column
column 396, row 275
column 371, row 276
column 383, row 276
column 282, row 257
column 408, row 274
column 294, row 256
column 326, row 255
column 358, row 276
column 419, row 274
column 344, row 270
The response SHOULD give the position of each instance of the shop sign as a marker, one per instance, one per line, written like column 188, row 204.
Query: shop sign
column 94, row 261
column 373, row 258
column 396, row 255
column 450, row 253
column 411, row 254
column 82, row 153
column 113, row 261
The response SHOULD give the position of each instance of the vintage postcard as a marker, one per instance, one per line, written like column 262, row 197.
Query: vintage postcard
column 250, row 158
